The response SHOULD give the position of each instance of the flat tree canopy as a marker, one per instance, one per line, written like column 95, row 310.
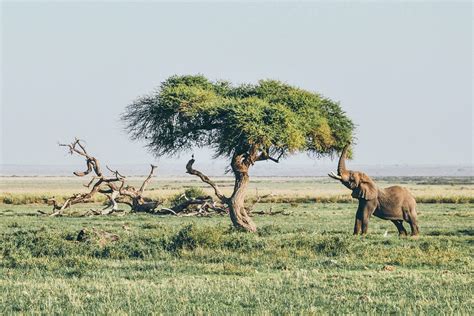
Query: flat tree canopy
column 247, row 123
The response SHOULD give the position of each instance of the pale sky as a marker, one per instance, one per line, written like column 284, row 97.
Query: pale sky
column 402, row 71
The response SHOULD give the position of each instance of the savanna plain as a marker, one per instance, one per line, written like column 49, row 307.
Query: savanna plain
column 302, row 260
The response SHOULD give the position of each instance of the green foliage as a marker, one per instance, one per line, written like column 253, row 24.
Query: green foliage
column 184, row 239
column 190, row 193
column 333, row 246
column 271, row 117
column 190, row 237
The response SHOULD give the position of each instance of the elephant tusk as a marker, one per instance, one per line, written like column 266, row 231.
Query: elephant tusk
column 334, row 176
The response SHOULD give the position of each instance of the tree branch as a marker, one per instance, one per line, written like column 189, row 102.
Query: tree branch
column 91, row 162
column 204, row 178
column 116, row 173
column 265, row 156
column 147, row 180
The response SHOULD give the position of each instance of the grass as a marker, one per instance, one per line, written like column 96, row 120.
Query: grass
column 304, row 262
column 27, row 190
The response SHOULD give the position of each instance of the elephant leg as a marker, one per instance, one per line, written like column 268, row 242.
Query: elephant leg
column 365, row 221
column 409, row 215
column 365, row 225
column 401, row 230
column 413, row 224
column 358, row 220
column 357, row 226
column 367, row 208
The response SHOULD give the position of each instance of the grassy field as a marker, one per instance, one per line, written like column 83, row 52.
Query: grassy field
column 25, row 190
column 301, row 261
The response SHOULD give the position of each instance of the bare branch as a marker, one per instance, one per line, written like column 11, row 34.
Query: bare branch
column 90, row 182
column 92, row 163
column 78, row 142
column 204, row 178
column 115, row 172
column 147, row 180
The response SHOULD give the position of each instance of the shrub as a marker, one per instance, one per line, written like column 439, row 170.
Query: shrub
column 332, row 246
column 268, row 230
column 190, row 193
column 238, row 240
column 190, row 237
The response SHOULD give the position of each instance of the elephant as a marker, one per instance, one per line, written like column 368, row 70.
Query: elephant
column 394, row 203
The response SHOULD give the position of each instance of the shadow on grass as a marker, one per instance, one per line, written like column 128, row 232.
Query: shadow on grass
column 459, row 232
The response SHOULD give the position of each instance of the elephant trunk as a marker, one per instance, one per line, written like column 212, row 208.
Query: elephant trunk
column 341, row 167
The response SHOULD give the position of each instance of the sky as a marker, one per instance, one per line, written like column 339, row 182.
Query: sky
column 401, row 71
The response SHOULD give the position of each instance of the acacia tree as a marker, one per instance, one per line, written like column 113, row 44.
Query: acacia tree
column 245, row 123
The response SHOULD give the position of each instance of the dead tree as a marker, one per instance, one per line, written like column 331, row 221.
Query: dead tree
column 135, row 200
column 112, row 187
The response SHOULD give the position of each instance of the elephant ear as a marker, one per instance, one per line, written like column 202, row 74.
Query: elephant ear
column 366, row 189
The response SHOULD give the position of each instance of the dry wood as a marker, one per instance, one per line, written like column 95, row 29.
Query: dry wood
column 113, row 187
column 199, row 206
column 204, row 178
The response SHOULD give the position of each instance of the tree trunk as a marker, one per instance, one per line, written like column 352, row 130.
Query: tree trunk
column 238, row 214
column 240, row 166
